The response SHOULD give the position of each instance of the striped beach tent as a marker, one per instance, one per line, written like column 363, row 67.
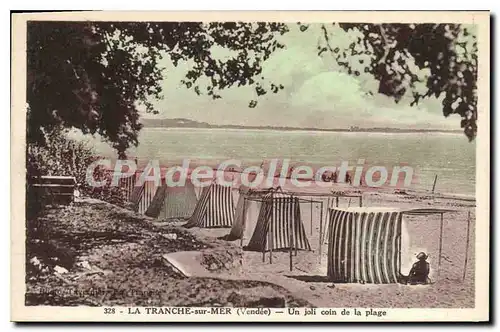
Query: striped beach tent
column 246, row 213
column 240, row 212
column 366, row 244
column 142, row 196
column 173, row 202
column 215, row 208
column 279, row 224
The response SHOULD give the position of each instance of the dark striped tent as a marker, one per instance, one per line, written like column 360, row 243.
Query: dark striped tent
column 142, row 196
column 279, row 224
column 173, row 202
column 364, row 244
column 215, row 208
column 135, row 196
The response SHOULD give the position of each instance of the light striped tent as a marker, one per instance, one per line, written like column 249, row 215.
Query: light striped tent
column 215, row 208
column 246, row 214
column 279, row 224
column 366, row 244
column 173, row 202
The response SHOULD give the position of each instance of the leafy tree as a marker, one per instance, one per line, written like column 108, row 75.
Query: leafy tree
column 94, row 76
column 395, row 54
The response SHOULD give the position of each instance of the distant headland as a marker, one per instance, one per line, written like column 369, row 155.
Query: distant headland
column 187, row 123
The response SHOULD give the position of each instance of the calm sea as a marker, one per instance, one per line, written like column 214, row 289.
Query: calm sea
column 450, row 156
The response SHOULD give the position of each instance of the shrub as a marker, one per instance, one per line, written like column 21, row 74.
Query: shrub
column 61, row 155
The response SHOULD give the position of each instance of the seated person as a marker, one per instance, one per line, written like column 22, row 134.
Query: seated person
column 419, row 272
column 348, row 178
column 334, row 177
column 325, row 177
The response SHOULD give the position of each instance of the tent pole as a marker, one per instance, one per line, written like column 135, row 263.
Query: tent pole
column 295, row 221
column 337, row 201
column 361, row 201
column 440, row 245
column 320, row 229
column 434, row 184
column 311, row 217
column 467, row 245
column 243, row 223
column 270, row 241
column 327, row 224
column 264, row 249
column 290, row 240
column 295, row 226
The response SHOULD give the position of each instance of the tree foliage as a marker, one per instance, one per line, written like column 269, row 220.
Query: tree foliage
column 95, row 76
column 398, row 53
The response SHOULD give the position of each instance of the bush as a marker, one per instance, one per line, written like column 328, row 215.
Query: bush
column 61, row 155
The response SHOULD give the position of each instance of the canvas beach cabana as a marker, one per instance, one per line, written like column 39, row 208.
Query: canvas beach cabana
column 368, row 245
column 215, row 207
column 270, row 220
column 247, row 211
column 313, row 201
column 279, row 224
column 254, row 211
column 173, row 202
column 142, row 196
column 163, row 200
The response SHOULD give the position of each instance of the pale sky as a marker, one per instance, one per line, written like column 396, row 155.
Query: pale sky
column 317, row 94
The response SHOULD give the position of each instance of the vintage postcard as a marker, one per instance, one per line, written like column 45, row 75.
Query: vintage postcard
column 250, row 166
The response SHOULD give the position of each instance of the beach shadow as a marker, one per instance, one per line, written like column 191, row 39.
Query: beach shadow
column 280, row 250
column 227, row 237
column 325, row 279
column 313, row 278
column 188, row 225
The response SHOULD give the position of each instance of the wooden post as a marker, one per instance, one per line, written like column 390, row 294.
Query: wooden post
column 440, row 245
column 466, row 245
column 434, row 185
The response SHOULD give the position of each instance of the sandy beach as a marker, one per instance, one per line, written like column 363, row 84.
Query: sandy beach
column 308, row 279
column 137, row 257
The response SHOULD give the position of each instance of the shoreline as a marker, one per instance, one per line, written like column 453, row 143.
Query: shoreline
column 315, row 130
column 319, row 190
